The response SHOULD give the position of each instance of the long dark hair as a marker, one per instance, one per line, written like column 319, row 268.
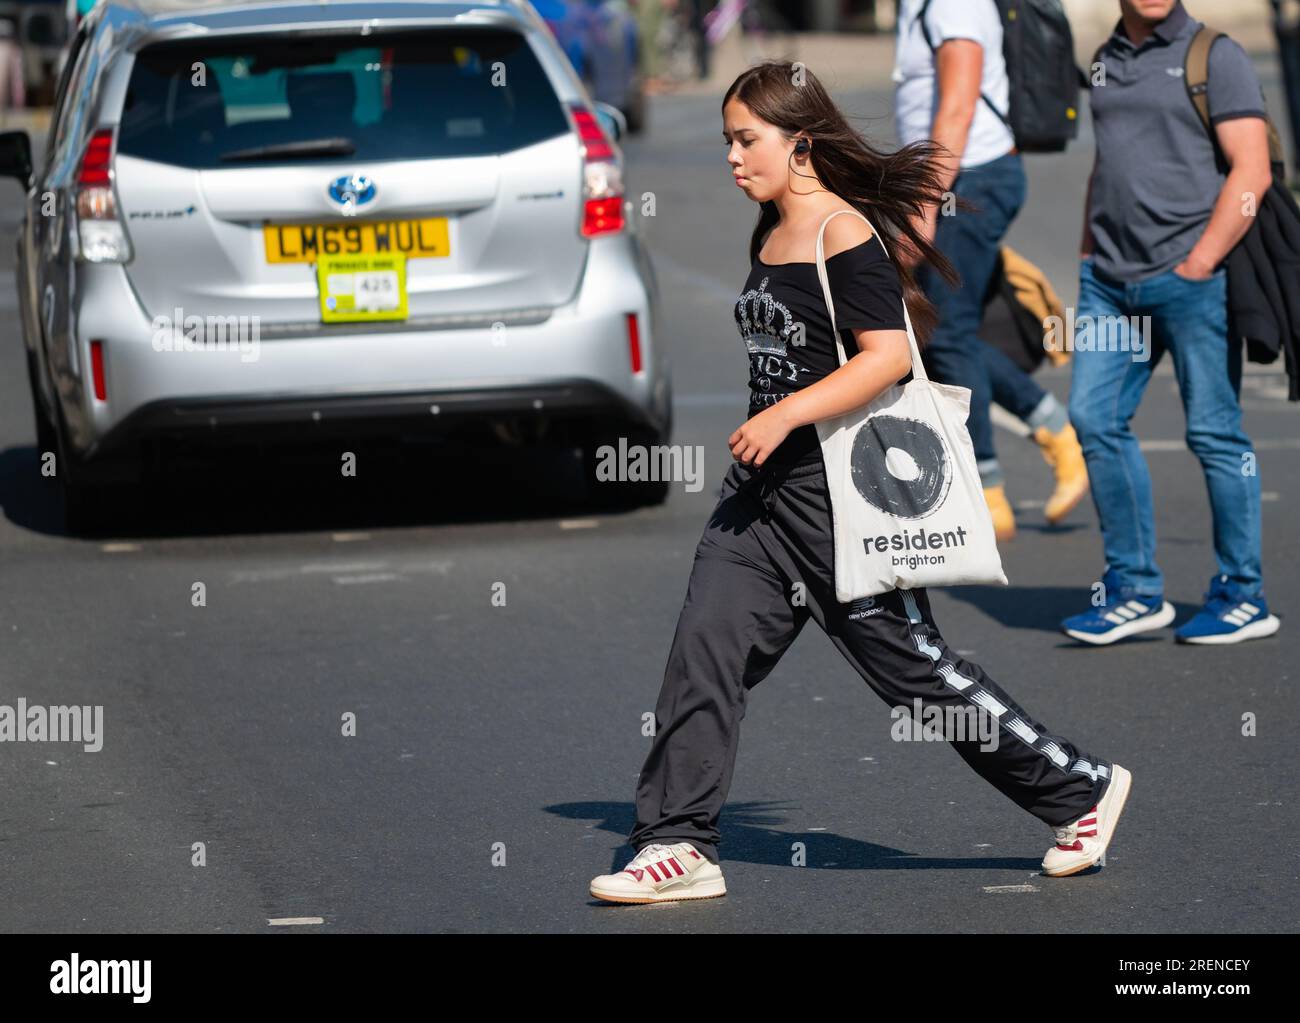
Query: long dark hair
column 888, row 188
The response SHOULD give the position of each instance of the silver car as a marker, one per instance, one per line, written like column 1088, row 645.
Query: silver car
column 327, row 217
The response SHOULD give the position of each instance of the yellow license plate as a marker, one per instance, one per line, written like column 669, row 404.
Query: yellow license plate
column 361, row 288
column 306, row 243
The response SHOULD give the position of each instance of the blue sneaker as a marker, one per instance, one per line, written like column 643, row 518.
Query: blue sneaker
column 1228, row 617
column 1124, row 614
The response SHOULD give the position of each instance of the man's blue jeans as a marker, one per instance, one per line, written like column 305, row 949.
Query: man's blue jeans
column 955, row 353
column 1190, row 319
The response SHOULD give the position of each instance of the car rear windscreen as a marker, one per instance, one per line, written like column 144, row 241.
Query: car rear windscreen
column 285, row 98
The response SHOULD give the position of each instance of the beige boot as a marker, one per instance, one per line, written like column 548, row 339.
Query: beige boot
column 1004, row 519
column 1065, row 456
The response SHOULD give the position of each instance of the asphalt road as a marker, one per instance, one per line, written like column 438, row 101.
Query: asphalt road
column 497, row 747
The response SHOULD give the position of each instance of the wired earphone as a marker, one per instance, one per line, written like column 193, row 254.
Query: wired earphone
column 802, row 147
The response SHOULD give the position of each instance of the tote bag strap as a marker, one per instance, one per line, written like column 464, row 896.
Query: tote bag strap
column 918, row 368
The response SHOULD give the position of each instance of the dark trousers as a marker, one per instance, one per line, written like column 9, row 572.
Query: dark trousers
column 955, row 353
column 771, row 530
column 1009, row 385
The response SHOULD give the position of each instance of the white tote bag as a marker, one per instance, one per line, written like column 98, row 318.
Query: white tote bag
column 907, row 504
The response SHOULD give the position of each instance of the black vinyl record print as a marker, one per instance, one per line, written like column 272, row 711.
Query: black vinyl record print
column 911, row 498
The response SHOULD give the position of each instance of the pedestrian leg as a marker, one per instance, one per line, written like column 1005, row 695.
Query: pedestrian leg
column 900, row 654
column 1011, row 387
column 1110, row 374
column 971, row 239
column 893, row 642
column 738, row 619
column 1191, row 319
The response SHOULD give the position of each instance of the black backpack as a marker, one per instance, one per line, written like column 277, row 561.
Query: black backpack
column 1038, row 48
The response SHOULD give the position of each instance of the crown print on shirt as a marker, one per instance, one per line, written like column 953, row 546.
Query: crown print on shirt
column 766, row 325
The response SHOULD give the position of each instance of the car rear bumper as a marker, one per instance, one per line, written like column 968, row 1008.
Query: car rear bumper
column 573, row 360
column 305, row 417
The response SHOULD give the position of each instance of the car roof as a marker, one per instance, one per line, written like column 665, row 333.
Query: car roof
column 234, row 14
column 161, row 8
column 116, row 27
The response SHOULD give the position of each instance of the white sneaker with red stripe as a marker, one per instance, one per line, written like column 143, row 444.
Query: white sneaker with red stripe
column 662, row 873
column 1082, row 844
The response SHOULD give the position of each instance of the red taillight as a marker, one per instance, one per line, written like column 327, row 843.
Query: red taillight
column 101, row 236
column 598, row 147
column 97, row 369
column 94, row 165
column 601, row 216
column 634, row 342
column 602, row 178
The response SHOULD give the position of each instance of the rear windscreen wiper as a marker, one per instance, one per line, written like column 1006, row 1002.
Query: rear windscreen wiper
column 337, row 146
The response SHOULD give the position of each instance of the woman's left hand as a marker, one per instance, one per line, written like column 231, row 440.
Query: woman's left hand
column 759, row 437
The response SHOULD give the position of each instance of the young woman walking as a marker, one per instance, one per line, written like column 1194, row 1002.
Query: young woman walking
column 765, row 563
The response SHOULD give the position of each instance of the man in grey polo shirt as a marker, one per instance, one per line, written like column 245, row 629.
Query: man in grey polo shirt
column 1160, row 220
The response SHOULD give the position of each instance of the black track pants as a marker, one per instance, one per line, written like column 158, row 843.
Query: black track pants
column 771, row 530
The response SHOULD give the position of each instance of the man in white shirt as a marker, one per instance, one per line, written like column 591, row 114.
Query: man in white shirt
column 952, row 87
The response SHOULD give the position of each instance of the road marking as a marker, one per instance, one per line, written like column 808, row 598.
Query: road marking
column 349, row 537
column 1267, row 444
column 579, row 523
column 998, row 889
column 373, row 577
column 346, row 566
column 261, row 575
column 1001, row 417
column 295, row 921
column 119, row 548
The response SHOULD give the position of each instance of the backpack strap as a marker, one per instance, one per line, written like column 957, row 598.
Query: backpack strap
column 1196, row 76
column 918, row 367
column 925, row 33
column 1196, row 73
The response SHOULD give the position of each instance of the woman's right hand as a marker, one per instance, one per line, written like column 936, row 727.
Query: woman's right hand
column 756, row 438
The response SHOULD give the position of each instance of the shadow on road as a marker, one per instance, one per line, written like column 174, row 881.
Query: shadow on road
column 295, row 490
column 1043, row 607
column 752, row 837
